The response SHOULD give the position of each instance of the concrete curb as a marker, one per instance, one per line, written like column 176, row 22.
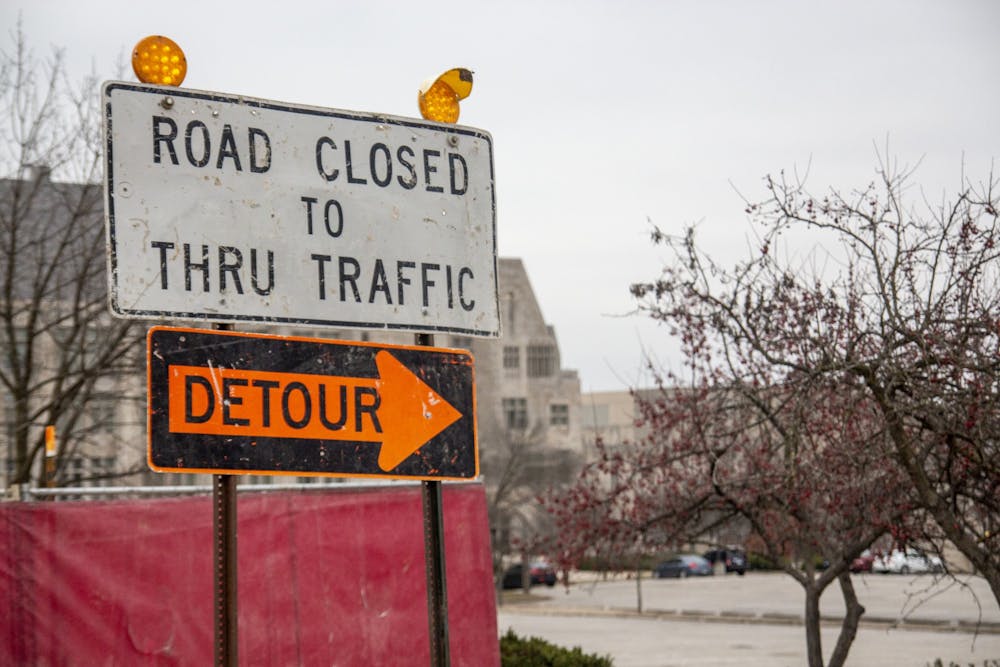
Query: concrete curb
column 766, row 618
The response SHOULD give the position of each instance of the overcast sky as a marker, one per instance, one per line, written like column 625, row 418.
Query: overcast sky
column 606, row 114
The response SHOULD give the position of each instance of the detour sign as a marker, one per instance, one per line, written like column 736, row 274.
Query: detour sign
column 235, row 402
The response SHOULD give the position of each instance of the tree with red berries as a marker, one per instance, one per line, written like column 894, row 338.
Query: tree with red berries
column 822, row 407
column 800, row 464
column 919, row 288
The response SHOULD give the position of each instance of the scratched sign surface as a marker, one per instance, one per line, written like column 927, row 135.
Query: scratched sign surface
column 225, row 402
column 230, row 208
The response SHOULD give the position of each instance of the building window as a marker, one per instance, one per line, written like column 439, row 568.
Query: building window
column 20, row 345
column 541, row 361
column 75, row 469
column 9, row 425
column 102, row 468
column 559, row 414
column 595, row 415
column 515, row 412
column 511, row 357
column 509, row 312
column 10, row 465
column 103, row 408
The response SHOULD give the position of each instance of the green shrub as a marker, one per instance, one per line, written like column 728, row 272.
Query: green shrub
column 761, row 562
column 534, row 652
column 597, row 564
column 622, row 563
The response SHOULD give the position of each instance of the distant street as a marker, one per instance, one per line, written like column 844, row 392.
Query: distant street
column 755, row 621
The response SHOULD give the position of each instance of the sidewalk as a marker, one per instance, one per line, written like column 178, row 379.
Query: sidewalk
column 891, row 601
column 641, row 642
column 756, row 621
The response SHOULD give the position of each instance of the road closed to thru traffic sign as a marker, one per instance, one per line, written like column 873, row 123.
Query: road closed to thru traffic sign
column 234, row 402
column 228, row 208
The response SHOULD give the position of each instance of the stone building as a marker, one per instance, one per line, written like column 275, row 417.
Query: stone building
column 63, row 361
column 529, row 417
column 609, row 417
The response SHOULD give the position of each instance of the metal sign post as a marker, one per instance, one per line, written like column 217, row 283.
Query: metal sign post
column 434, row 562
column 224, row 559
column 437, row 583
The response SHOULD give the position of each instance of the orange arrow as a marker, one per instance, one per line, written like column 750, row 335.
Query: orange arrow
column 397, row 409
column 408, row 392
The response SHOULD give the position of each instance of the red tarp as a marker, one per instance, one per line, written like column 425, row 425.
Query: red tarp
column 325, row 578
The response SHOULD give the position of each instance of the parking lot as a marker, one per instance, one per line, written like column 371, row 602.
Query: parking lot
column 755, row 620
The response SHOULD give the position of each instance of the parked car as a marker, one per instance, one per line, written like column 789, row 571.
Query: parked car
column 864, row 562
column 910, row 561
column 540, row 573
column 688, row 565
column 735, row 559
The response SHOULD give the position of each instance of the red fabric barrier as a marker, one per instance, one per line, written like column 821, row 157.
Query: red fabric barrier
column 325, row 578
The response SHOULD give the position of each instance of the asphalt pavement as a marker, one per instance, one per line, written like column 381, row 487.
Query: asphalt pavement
column 756, row 620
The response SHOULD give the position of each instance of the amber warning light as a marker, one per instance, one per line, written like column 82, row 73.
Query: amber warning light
column 438, row 98
column 158, row 59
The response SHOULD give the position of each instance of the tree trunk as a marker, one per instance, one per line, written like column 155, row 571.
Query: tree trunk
column 497, row 566
column 852, row 616
column 638, row 585
column 814, row 643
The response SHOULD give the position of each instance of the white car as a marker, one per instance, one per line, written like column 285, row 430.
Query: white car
column 910, row 561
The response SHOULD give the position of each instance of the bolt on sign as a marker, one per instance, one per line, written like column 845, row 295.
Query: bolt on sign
column 226, row 402
column 230, row 208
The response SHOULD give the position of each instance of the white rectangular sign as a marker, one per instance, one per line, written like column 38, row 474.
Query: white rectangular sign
column 229, row 208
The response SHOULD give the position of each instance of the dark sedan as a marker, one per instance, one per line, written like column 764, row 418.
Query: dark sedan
column 735, row 559
column 540, row 573
column 681, row 567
